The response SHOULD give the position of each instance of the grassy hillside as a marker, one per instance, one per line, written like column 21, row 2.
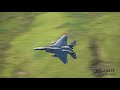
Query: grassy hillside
column 97, row 36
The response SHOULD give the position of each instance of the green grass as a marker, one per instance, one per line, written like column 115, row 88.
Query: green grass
column 26, row 31
column 12, row 25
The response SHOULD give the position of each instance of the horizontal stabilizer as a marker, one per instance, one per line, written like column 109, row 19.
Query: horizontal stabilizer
column 73, row 55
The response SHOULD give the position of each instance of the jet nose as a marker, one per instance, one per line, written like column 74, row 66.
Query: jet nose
column 39, row 48
column 34, row 48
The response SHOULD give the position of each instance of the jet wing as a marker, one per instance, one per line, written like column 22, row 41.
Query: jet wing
column 62, row 41
column 61, row 55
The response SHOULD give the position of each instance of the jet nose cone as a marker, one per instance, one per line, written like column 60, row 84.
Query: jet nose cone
column 35, row 48
column 39, row 48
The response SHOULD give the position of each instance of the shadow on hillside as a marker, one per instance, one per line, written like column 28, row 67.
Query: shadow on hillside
column 96, row 61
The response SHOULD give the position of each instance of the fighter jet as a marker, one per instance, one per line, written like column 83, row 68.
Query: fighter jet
column 60, row 49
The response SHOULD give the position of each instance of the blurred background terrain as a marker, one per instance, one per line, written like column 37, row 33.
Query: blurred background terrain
column 97, row 35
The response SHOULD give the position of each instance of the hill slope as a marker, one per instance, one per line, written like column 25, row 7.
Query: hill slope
column 97, row 36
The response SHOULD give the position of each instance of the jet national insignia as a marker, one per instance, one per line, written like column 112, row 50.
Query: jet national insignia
column 60, row 49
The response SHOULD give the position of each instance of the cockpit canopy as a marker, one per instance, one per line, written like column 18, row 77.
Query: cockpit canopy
column 53, row 42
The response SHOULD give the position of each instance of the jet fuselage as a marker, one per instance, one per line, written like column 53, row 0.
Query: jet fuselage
column 60, row 49
column 51, row 48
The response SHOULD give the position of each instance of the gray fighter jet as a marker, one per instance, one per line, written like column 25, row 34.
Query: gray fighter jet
column 60, row 49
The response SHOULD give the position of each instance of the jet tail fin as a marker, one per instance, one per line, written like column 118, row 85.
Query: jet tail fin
column 73, row 55
column 72, row 44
